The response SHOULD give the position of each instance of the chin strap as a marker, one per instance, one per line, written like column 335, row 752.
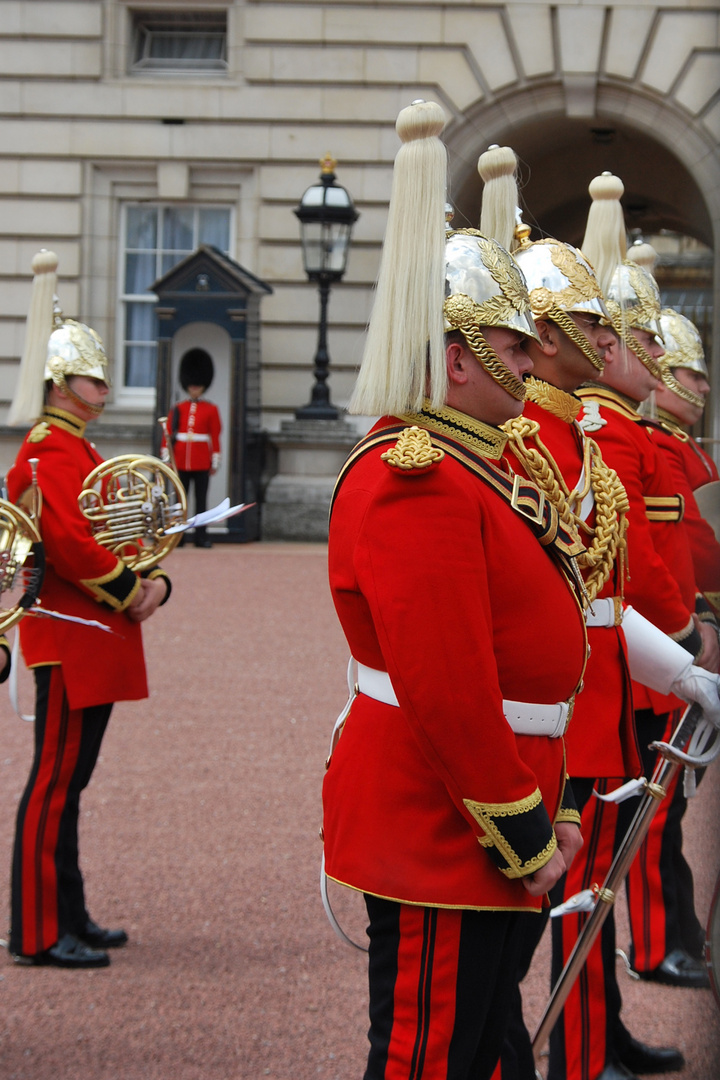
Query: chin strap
column 94, row 410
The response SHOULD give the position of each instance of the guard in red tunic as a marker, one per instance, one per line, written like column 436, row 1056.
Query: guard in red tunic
column 667, row 937
column 195, row 428
column 443, row 799
column 679, row 404
column 548, row 446
column 50, row 923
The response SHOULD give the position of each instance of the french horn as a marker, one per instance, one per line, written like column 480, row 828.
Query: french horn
column 22, row 563
column 131, row 501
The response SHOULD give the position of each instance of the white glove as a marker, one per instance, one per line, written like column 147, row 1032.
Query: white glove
column 165, row 454
column 696, row 684
column 215, row 462
column 655, row 660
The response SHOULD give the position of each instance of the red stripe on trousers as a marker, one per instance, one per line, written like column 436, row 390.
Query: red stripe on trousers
column 41, row 824
column 424, row 997
column 585, row 1013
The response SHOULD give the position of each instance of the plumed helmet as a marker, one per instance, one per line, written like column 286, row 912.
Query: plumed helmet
column 55, row 348
column 683, row 349
column 559, row 276
column 683, row 344
column 75, row 349
column 633, row 298
column 483, row 285
column 560, row 280
column 196, row 369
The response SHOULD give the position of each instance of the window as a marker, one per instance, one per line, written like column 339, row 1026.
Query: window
column 178, row 41
column 156, row 238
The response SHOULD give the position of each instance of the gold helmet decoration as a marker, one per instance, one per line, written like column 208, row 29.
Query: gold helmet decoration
column 683, row 349
column 432, row 280
column 558, row 276
column 631, row 293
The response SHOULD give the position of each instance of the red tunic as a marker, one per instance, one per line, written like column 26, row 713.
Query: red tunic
column 81, row 578
column 601, row 738
column 660, row 582
column 691, row 468
column 195, row 427
column 437, row 581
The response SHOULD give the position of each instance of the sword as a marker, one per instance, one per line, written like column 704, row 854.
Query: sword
column 690, row 730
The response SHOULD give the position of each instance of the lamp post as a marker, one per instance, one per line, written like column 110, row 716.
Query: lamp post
column 327, row 215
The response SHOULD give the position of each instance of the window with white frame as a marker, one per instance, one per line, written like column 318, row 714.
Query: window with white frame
column 156, row 238
column 178, row 40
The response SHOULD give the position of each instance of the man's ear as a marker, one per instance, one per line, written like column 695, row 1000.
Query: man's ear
column 546, row 330
column 456, row 361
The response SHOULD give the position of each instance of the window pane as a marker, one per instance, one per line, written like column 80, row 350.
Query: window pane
column 140, row 272
column 214, row 228
column 168, row 261
column 140, row 362
column 141, row 227
column 180, row 46
column 178, row 230
column 140, row 322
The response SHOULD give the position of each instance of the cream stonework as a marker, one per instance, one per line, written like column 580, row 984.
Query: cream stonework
column 80, row 137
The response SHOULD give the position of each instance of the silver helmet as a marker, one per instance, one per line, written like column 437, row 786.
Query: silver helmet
column 484, row 287
column 683, row 349
column 561, row 280
column 633, row 302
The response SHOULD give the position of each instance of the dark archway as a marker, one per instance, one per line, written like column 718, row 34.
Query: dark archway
column 560, row 155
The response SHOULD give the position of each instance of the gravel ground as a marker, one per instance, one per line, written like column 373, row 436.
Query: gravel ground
column 199, row 835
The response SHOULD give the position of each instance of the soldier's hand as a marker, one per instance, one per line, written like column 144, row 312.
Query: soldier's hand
column 709, row 658
column 544, row 878
column 149, row 597
column 569, row 840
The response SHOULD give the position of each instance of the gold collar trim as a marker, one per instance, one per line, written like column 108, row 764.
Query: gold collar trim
column 670, row 423
column 626, row 406
column 482, row 438
column 552, row 399
column 65, row 420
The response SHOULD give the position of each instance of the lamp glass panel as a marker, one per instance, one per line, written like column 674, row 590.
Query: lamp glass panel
column 325, row 247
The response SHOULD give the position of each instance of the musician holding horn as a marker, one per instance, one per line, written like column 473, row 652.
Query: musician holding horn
column 50, row 923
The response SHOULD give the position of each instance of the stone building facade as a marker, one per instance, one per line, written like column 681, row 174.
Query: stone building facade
column 131, row 131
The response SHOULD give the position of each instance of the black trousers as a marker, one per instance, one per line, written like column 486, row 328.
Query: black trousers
column 200, row 481
column 47, row 894
column 441, row 981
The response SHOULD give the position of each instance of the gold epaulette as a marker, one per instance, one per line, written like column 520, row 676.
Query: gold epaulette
column 413, row 451
column 39, row 432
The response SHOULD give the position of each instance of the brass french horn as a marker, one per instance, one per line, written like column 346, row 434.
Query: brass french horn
column 131, row 501
column 22, row 564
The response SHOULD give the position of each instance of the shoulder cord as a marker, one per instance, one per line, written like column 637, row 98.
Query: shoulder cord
column 608, row 537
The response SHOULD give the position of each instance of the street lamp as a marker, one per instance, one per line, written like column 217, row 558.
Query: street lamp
column 327, row 215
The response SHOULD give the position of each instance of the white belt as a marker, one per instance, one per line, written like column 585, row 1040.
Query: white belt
column 524, row 717
column 191, row 436
column 604, row 612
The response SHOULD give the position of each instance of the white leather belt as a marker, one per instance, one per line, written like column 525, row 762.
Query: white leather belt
column 191, row 436
column 524, row 717
column 606, row 611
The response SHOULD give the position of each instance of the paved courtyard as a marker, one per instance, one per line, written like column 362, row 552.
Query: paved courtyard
column 199, row 835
